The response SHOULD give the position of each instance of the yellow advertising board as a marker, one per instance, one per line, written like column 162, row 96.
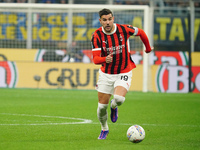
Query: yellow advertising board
column 154, row 71
column 74, row 75
column 195, row 58
column 18, row 54
column 54, row 75
column 23, row 67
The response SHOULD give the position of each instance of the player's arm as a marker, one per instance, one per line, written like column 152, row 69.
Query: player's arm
column 96, row 52
column 144, row 39
column 97, row 59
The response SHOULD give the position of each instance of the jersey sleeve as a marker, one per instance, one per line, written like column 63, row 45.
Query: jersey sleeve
column 95, row 41
column 96, row 50
column 131, row 30
column 139, row 32
column 144, row 39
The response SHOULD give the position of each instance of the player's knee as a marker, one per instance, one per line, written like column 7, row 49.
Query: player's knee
column 102, row 109
column 119, row 99
column 102, row 106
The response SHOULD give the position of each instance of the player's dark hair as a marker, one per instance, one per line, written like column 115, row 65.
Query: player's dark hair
column 105, row 12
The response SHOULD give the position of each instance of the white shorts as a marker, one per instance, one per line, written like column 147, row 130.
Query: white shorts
column 107, row 82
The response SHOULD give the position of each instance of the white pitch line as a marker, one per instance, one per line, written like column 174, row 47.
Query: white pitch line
column 83, row 121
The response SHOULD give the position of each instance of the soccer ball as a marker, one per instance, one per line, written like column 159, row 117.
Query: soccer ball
column 135, row 134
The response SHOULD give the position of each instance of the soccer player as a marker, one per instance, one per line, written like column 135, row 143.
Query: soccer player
column 110, row 49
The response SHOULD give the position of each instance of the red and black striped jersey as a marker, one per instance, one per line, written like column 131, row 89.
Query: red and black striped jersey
column 116, row 43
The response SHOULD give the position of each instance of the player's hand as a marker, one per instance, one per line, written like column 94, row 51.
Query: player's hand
column 109, row 58
column 148, row 51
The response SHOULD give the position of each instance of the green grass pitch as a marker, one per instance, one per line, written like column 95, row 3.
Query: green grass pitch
column 33, row 119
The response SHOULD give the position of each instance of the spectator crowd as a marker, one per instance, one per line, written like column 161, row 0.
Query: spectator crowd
column 168, row 3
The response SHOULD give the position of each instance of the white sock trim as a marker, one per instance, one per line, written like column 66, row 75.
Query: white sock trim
column 113, row 103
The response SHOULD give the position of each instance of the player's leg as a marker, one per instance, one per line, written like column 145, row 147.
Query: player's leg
column 118, row 99
column 105, row 90
column 122, row 86
column 119, row 96
column 102, row 109
column 102, row 114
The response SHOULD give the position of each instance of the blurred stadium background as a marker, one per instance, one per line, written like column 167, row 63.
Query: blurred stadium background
column 46, row 43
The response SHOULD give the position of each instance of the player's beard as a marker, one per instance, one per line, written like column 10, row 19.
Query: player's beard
column 108, row 28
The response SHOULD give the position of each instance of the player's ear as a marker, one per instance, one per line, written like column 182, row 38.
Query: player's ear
column 100, row 20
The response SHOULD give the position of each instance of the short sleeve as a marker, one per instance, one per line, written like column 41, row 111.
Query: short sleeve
column 95, row 41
